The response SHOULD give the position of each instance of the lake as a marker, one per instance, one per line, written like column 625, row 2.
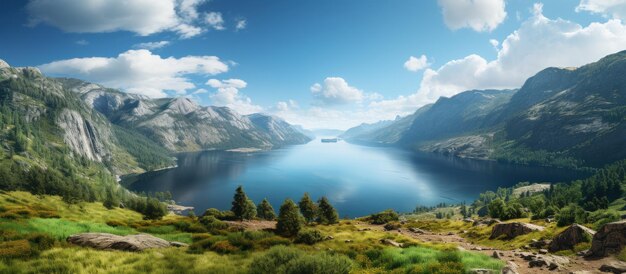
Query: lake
column 358, row 180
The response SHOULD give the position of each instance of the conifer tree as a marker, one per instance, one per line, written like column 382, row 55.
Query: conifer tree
column 289, row 219
column 239, row 203
column 307, row 208
column 326, row 212
column 265, row 211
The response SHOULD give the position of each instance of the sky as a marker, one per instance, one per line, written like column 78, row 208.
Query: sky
column 319, row 64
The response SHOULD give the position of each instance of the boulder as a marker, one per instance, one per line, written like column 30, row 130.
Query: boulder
column 539, row 243
column 610, row 239
column 106, row 241
column 481, row 271
column 614, row 267
column 570, row 237
column 512, row 230
column 390, row 242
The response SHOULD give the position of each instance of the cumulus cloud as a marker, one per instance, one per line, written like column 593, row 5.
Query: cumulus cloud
column 228, row 95
column 336, row 91
column 610, row 8
column 152, row 45
column 241, row 24
column 139, row 71
column 539, row 43
column 143, row 17
column 215, row 20
column 479, row 15
column 416, row 64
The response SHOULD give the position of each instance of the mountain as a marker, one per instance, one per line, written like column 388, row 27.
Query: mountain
column 560, row 116
column 72, row 138
column 327, row 132
column 180, row 124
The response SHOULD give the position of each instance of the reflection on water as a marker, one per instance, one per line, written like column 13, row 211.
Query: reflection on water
column 359, row 180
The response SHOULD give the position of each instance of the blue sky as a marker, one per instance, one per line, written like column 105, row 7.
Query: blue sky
column 322, row 64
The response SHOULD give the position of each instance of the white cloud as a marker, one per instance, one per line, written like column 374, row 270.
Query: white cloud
column 82, row 42
column 228, row 95
column 611, row 8
column 152, row 45
column 139, row 71
column 144, row 17
column 336, row 91
column 479, row 15
column 494, row 43
column 539, row 43
column 215, row 20
column 241, row 24
column 416, row 64
column 200, row 91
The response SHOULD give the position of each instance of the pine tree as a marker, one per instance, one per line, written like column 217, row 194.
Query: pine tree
column 265, row 211
column 326, row 212
column 307, row 208
column 289, row 219
column 239, row 203
column 249, row 210
column 109, row 201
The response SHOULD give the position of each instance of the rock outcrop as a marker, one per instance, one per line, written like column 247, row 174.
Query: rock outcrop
column 610, row 239
column 570, row 237
column 106, row 241
column 512, row 230
column 82, row 136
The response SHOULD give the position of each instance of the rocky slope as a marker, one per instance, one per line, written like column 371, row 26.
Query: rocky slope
column 180, row 124
column 560, row 116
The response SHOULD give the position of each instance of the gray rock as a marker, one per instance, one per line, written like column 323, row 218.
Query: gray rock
column 482, row 271
column 614, row 267
column 390, row 242
column 106, row 241
column 570, row 237
column 610, row 239
column 512, row 230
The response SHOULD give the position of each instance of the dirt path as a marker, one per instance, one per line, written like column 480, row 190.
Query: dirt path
column 576, row 264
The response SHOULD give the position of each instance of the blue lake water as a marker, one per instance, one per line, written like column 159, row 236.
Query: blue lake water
column 358, row 180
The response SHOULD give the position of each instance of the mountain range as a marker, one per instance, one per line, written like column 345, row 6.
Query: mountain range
column 570, row 117
column 125, row 132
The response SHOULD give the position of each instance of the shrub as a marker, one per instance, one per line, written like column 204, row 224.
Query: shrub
column 213, row 224
column 224, row 247
column 272, row 241
column 40, row 241
column 114, row 223
column 571, row 214
column 384, row 217
column 309, row 236
column 602, row 217
column 16, row 249
column 288, row 260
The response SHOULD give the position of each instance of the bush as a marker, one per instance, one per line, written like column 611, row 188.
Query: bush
column 289, row 220
column 40, row 242
column 114, row 223
column 288, row 260
column 213, row 224
column 16, row 249
column 309, row 236
column 571, row 214
column 224, row 247
column 268, row 242
column 384, row 217
column 392, row 225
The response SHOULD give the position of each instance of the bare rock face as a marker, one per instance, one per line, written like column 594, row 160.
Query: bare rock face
column 610, row 239
column 512, row 230
column 570, row 237
column 106, row 241
column 82, row 136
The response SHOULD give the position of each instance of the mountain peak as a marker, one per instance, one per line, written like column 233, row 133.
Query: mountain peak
column 4, row 64
column 183, row 105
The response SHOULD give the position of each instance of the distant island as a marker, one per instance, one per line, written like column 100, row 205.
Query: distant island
column 329, row 140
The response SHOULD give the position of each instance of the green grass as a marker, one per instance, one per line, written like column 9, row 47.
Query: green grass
column 60, row 228
column 85, row 260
